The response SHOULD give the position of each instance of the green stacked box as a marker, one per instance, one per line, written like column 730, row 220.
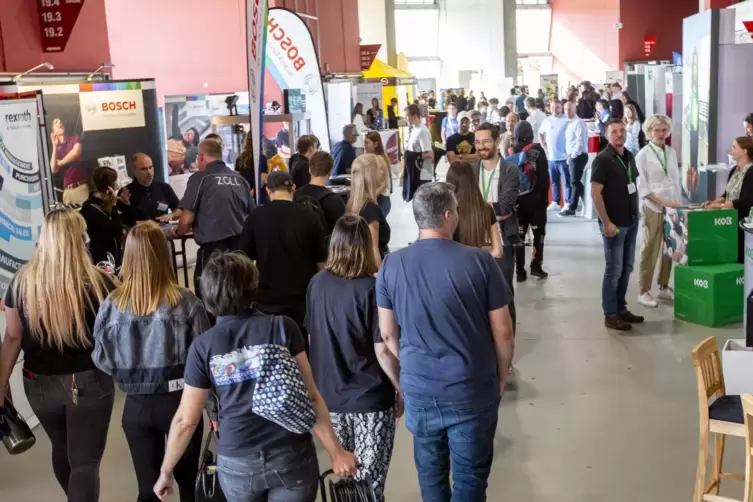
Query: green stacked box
column 710, row 295
column 701, row 236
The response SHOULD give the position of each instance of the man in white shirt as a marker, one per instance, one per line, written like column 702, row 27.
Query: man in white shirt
column 419, row 154
column 536, row 117
column 576, row 136
column 552, row 135
column 659, row 187
column 493, row 115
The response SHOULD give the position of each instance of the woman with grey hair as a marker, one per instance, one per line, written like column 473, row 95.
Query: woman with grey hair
column 658, row 188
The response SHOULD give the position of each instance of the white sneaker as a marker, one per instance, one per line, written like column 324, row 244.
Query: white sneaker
column 647, row 300
column 554, row 207
column 667, row 294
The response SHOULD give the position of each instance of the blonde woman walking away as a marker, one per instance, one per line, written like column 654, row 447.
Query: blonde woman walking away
column 50, row 308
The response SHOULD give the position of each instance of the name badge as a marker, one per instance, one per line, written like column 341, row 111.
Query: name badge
column 162, row 207
column 631, row 188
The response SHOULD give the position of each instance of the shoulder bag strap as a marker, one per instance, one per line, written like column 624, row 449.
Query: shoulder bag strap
column 281, row 330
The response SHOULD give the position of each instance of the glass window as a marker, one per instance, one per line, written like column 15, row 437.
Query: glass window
column 532, row 33
column 416, row 42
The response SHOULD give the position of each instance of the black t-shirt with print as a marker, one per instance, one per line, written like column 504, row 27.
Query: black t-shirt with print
column 461, row 144
column 42, row 359
column 342, row 317
column 223, row 359
column 371, row 213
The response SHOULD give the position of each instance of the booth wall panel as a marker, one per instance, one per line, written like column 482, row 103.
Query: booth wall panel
column 181, row 43
column 21, row 40
column 662, row 19
column 584, row 40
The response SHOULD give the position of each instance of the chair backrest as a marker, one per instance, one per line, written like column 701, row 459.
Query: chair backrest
column 747, row 401
column 708, row 371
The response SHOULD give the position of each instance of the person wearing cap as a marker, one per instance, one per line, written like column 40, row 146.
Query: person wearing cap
column 216, row 203
column 460, row 145
column 287, row 241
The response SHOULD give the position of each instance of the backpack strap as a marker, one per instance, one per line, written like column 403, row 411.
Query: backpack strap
column 527, row 147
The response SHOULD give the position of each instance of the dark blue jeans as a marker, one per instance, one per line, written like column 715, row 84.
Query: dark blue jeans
column 619, row 254
column 457, row 432
column 284, row 474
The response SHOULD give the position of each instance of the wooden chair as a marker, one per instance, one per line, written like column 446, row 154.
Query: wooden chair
column 747, row 400
column 724, row 416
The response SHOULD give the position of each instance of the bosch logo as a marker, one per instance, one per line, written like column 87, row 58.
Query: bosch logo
column 91, row 108
column 309, row 84
column 118, row 106
column 286, row 44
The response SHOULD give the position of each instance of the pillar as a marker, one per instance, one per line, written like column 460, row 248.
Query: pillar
column 509, row 10
column 389, row 17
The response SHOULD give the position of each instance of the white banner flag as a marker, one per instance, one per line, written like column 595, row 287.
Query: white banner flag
column 256, row 20
column 294, row 64
column 21, row 212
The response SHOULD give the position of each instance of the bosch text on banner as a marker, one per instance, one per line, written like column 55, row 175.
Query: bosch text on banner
column 256, row 20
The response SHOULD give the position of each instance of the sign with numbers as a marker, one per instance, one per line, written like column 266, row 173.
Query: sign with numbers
column 56, row 21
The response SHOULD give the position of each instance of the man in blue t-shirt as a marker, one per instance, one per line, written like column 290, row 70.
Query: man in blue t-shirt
column 450, row 123
column 443, row 312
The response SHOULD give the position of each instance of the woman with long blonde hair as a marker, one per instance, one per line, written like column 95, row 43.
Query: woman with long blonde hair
column 50, row 308
column 142, row 335
column 373, row 144
column 366, row 180
column 357, row 375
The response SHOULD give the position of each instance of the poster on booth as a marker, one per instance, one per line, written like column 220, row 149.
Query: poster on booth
column 21, row 211
column 96, row 124
column 550, row 85
column 293, row 62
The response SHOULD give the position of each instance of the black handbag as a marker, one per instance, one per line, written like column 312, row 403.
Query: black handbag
column 16, row 433
column 207, row 483
column 347, row 489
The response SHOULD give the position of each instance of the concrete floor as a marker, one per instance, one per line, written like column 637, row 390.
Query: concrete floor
column 596, row 417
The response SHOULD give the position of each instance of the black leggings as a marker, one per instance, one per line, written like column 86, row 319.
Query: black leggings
column 146, row 422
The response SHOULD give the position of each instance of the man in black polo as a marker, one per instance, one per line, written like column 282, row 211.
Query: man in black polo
column 613, row 189
column 288, row 243
column 146, row 199
column 216, row 203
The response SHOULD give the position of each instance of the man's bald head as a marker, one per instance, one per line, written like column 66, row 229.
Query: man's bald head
column 143, row 169
column 570, row 109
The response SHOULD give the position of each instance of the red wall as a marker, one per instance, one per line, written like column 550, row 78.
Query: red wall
column 21, row 41
column 661, row 19
column 584, row 40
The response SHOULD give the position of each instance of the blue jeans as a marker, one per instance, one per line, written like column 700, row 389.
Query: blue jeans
column 457, row 432
column 284, row 474
column 559, row 172
column 619, row 254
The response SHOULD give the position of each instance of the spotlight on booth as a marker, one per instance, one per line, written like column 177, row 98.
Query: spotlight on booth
column 99, row 70
column 47, row 65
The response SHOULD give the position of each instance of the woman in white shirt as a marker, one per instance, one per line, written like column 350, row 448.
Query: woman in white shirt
column 633, row 129
column 658, row 188
column 358, row 121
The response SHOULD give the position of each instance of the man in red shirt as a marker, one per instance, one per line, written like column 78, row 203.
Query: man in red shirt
column 66, row 156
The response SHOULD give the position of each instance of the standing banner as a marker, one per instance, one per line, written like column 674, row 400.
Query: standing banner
column 256, row 36
column 21, row 203
column 294, row 64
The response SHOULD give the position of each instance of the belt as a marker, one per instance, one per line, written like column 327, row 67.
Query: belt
column 75, row 184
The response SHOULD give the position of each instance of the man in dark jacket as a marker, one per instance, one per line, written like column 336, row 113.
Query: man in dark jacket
column 299, row 168
column 532, row 207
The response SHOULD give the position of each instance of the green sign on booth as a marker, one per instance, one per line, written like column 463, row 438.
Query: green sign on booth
column 701, row 236
column 710, row 295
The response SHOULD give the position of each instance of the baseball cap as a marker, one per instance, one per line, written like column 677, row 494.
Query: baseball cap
column 464, row 115
column 279, row 179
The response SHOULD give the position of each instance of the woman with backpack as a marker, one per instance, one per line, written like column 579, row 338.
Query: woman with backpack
column 141, row 338
column 532, row 206
column 356, row 373
column 477, row 223
column 269, row 403
column 364, row 195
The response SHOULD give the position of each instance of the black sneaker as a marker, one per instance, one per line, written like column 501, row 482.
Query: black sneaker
column 628, row 316
column 538, row 272
column 616, row 322
column 522, row 276
column 567, row 212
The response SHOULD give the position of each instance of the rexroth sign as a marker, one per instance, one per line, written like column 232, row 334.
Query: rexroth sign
column 102, row 110
column 56, row 21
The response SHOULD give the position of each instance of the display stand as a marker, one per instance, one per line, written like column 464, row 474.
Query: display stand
column 748, row 236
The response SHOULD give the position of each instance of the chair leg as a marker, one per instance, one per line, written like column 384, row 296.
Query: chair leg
column 700, row 477
column 748, row 497
column 716, row 469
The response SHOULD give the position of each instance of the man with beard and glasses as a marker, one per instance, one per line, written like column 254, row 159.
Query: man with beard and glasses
column 499, row 182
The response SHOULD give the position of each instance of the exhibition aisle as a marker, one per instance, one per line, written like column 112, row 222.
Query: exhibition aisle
column 596, row 416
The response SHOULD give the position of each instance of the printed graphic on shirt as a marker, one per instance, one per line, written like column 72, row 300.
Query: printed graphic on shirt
column 237, row 366
column 464, row 148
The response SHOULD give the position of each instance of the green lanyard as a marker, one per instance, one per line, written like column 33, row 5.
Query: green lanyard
column 486, row 186
column 627, row 170
column 663, row 164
